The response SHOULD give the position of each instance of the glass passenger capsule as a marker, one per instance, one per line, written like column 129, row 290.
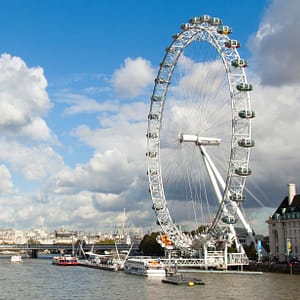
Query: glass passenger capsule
column 205, row 18
column 157, row 206
column 186, row 26
column 154, row 189
column 232, row 44
column 237, row 197
column 246, row 114
column 166, row 64
column 215, row 21
column 246, row 143
column 153, row 116
column 244, row 87
column 229, row 220
column 161, row 81
column 195, row 20
column 151, row 154
column 152, row 172
column 243, row 171
column 239, row 63
column 223, row 29
column 156, row 98
column 163, row 222
column 151, row 135
column 171, row 49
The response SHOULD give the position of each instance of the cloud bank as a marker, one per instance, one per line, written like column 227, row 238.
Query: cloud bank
column 38, row 184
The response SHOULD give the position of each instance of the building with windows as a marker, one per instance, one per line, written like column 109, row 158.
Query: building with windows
column 284, row 227
column 12, row 236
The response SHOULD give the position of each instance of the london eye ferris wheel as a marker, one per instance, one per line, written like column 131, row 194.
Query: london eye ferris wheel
column 199, row 137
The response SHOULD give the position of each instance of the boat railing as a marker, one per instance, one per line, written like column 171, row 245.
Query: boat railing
column 237, row 259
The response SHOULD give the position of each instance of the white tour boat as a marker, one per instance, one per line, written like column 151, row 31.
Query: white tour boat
column 145, row 266
column 16, row 259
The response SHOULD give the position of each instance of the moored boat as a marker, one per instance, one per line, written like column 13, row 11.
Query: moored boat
column 16, row 259
column 65, row 260
column 111, row 261
column 109, row 265
column 145, row 266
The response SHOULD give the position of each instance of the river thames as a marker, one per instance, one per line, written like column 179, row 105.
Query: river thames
column 39, row 279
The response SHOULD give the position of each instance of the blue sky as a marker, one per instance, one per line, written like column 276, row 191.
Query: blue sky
column 73, row 124
column 70, row 37
column 81, row 43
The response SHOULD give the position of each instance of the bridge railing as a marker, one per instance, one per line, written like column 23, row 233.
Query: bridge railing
column 66, row 246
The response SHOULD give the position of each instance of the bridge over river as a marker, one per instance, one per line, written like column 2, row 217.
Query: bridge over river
column 34, row 249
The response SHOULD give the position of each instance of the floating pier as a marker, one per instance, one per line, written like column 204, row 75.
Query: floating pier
column 178, row 279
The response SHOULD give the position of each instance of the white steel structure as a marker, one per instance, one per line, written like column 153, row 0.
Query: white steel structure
column 199, row 139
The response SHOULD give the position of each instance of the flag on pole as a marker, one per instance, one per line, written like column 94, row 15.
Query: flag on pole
column 288, row 246
column 259, row 247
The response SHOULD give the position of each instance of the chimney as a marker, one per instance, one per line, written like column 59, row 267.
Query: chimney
column 291, row 192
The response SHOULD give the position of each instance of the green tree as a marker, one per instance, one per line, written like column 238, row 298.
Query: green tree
column 199, row 230
column 32, row 241
column 149, row 245
column 106, row 242
column 251, row 251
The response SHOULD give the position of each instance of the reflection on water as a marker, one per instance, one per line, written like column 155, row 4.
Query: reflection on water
column 39, row 279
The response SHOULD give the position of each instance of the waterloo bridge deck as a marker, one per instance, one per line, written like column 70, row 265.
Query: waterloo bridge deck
column 34, row 249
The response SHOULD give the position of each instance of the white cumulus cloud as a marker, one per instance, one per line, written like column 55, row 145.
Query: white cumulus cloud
column 131, row 79
column 23, row 99
column 6, row 184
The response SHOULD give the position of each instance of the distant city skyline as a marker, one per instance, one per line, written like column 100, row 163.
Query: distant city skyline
column 75, row 84
column 12, row 236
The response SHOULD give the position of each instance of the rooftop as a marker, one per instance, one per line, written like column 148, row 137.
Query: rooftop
column 286, row 211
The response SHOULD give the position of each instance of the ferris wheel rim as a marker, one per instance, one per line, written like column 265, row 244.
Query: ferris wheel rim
column 191, row 32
